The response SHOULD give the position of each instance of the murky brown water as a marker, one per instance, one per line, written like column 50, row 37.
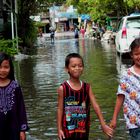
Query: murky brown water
column 40, row 75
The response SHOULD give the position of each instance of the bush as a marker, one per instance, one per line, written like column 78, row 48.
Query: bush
column 8, row 46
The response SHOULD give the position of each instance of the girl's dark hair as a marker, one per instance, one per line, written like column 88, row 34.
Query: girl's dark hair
column 134, row 44
column 72, row 55
column 4, row 56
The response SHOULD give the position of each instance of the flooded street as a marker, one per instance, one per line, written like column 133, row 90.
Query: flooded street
column 41, row 73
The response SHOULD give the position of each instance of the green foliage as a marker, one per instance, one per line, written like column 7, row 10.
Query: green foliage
column 27, row 31
column 31, row 34
column 8, row 46
column 27, row 7
column 133, row 3
column 43, row 5
column 73, row 2
column 100, row 9
column 39, row 24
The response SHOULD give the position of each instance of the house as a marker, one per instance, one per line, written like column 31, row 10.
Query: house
column 8, row 18
column 63, row 18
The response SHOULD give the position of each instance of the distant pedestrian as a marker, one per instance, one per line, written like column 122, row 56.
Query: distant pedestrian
column 128, row 94
column 52, row 35
column 13, row 120
column 40, row 32
column 74, row 99
column 82, row 31
column 76, row 33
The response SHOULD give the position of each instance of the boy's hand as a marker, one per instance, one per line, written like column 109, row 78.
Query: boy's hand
column 61, row 135
column 22, row 136
column 113, row 124
column 107, row 130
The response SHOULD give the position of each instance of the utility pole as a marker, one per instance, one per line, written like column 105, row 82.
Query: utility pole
column 12, row 21
column 16, row 12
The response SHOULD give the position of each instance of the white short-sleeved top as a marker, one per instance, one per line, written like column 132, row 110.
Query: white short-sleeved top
column 130, row 87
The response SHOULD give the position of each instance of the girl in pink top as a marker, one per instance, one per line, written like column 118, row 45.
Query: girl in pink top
column 82, row 32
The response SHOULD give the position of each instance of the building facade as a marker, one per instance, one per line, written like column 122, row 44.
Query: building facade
column 8, row 11
column 63, row 18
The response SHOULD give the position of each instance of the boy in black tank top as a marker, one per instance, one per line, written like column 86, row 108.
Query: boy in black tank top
column 74, row 99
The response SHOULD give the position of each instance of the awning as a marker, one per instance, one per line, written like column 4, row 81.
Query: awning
column 68, row 15
column 85, row 17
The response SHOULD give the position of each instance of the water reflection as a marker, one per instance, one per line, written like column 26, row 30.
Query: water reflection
column 122, row 64
column 42, row 73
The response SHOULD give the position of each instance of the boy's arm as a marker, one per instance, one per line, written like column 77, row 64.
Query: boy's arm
column 119, row 103
column 97, row 110
column 60, row 112
column 96, row 106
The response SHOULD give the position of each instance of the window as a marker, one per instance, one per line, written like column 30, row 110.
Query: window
column 133, row 23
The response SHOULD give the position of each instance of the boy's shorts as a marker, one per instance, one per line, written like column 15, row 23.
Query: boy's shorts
column 135, row 133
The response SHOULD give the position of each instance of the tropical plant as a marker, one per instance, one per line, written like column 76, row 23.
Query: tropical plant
column 8, row 46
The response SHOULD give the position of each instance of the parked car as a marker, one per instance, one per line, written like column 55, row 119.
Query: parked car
column 128, row 30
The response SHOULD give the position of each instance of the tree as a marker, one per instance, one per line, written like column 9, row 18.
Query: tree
column 26, row 28
column 100, row 9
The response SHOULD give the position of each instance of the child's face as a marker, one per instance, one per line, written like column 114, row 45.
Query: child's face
column 75, row 67
column 136, row 56
column 4, row 69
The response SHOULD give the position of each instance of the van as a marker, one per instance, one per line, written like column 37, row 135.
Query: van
column 128, row 30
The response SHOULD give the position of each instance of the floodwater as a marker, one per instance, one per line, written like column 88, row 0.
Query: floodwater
column 42, row 72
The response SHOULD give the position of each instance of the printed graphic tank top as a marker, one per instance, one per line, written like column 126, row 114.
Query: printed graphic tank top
column 76, row 116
